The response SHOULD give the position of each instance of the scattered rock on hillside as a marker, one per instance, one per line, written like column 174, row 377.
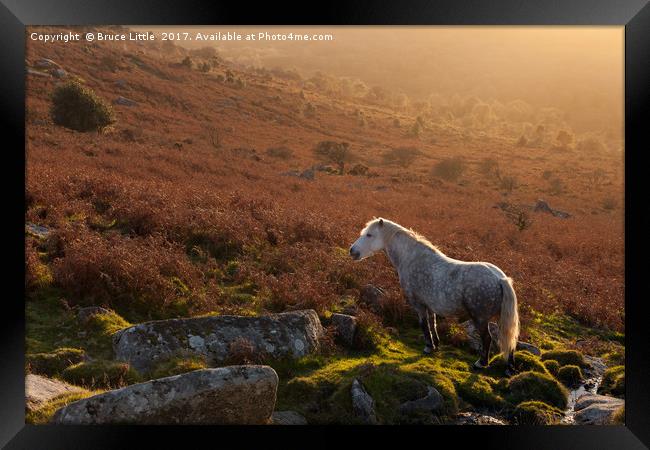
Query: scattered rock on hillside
column 345, row 326
column 472, row 418
column 121, row 83
column 372, row 296
column 44, row 63
column 291, row 334
column 59, row 73
column 84, row 314
column 594, row 409
column 287, row 418
column 542, row 206
column 363, row 405
column 37, row 230
column 225, row 396
column 432, row 402
column 307, row 174
column 124, row 101
column 40, row 390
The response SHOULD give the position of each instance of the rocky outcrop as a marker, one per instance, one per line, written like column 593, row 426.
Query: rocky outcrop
column 40, row 390
column 594, row 409
column 345, row 327
column 472, row 418
column 363, row 405
column 432, row 402
column 125, row 101
column 287, row 418
column 225, row 396
column 291, row 334
column 84, row 314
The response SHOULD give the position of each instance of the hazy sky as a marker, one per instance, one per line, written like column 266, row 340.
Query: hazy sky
column 578, row 69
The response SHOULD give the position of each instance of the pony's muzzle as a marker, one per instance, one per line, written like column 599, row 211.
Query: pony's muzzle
column 354, row 253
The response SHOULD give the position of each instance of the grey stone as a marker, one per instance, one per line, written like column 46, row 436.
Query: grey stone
column 59, row 73
column 472, row 418
column 594, row 409
column 542, row 206
column 291, row 334
column 432, row 402
column 363, row 405
column 44, row 63
column 287, row 418
column 37, row 230
column 225, row 396
column 40, row 390
column 345, row 326
column 124, row 101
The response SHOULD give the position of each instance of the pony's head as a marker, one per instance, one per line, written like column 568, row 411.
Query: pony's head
column 371, row 240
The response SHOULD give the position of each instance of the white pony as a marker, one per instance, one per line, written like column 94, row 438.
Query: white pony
column 434, row 283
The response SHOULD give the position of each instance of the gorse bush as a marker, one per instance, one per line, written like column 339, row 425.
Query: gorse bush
column 77, row 107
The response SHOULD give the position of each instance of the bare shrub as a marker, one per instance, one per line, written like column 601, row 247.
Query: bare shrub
column 334, row 152
column 450, row 169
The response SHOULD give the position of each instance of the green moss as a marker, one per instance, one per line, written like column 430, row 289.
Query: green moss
column 178, row 365
column 100, row 373
column 570, row 375
column 44, row 413
column 615, row 358
column 53, row 363
column 536, row 386
column 566, row 357
column 613, row 381
column 552, row 366
column 618, row 418
column 524, row 362
column 536, row 413
column 478, row 391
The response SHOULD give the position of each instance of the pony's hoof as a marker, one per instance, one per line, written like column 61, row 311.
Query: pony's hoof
column 479, row 365
column 428, row 350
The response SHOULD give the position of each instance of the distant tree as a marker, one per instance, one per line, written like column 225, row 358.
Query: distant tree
column 187, row 62
column 564, row 138
column 77, row 107
column 334, row 152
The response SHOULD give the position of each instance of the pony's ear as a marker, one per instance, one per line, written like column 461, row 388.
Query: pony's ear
column 381, row 222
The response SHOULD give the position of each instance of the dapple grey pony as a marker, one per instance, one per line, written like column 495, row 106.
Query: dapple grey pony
column 435, row 284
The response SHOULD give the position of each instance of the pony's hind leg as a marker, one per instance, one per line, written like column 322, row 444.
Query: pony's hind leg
column 486, row 342
column 511, row 364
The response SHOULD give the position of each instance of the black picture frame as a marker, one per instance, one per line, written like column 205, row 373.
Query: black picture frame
column 633, row 14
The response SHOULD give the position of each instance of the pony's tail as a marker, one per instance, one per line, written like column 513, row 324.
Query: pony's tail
column 509, row 320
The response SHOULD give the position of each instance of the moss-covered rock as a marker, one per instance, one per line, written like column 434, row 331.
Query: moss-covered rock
column 536, row 413
column 101, row 374
column 569, row 375
column 55, row 362
column 566, row 357
column 552, row 366
column 178, row 365
column 479, row 392
column 44, row 413
column 524, row 362
column 536, row 386
column 615, row 358
column 613, row 382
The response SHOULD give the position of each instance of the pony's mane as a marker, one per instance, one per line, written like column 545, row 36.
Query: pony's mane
column 393, row 226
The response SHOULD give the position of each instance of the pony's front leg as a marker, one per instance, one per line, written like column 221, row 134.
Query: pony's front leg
column 434, row 331
column 423, row 315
